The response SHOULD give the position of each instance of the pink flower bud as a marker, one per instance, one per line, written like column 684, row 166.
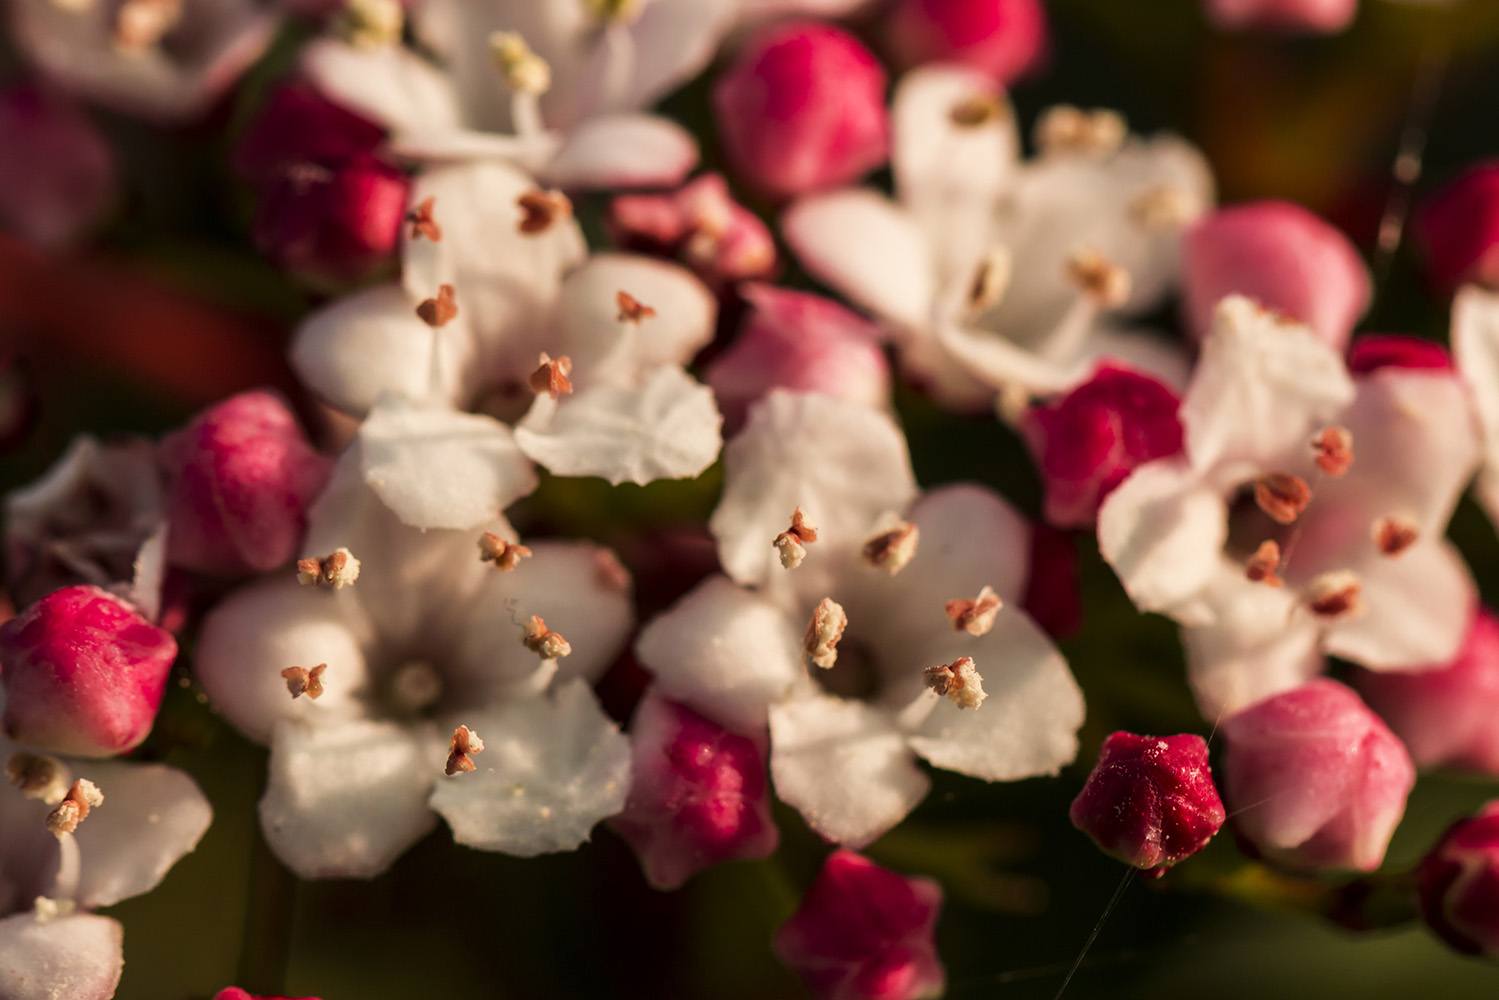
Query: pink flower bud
column 299, row 125
column 57, row 177
column 698, row 794
column 1150, row 800
column 83, row 673
column 1457, row 229
column 1002, row 38
column 699, row 224
column 1053, row 596
column 235, row 993
column 1315, row 779
column 1371, row 352
column 1089, row 440
column 864, row 932
column 1291, row 16
column 803, row 342
column 802, row 108
column 242, row 477
column 1283, row 257
column 1458, row 884
column 1446, row 715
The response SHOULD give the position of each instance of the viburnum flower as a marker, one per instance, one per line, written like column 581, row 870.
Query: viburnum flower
column 1306, row 514
column 1315, row 779
column 58, row 176
column 863, row 932
column 1004, row 39
column 1457, row 228
column 1458, row 884
column 1475, row 346
column 898, row 635
column 554, row 88
column 994, row 273
column 500, row 312
column 699, row 224
column 55, row 866
column 431, row 637
column 165, row 60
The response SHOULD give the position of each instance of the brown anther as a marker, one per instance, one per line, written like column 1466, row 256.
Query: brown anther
column 976, row 110
column 506, row 555
column 893, row 549
column 1394, row 534
column 1161, row 208
column 823, row 632
column 423, row 225
column 1335, row 595
column 1099, row 278
column 551, row 376
column 958, row 682
column 991, row 279
column 1264, row 565
column 336, row 570
column 74, row 807
column 610, row 573
column 441, row 310
column 975, row 616
column 1282, row 496
column 543, row 641
column 37, row 776
column 791, row 543
column 1333, row 450
column 302, row 680
column 461, row 750
column 539, row 209
column 631, row 309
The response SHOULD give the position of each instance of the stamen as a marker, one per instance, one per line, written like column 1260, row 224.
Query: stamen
column 1099, row 278
column 1282, row 496
column 337, row 570
column 1333, row 450
column 370, row 24
column 1335, row 595
column 301, row 680
column 47, row 909
column 893, row 549
column 461, row 750
column 505, row 555
column 976, row 616
column 525, row 72
column 37, row 776
column 824, row 631
column 977, row 110
column 614, row 11
column 610, row 572
column 1066, row 129
column 540, row 209
column 1162, row 208
column 1394, row 534
column 441, row 310
column 631, row 309
column 791, row 543
column 958, row 682
column 74, row 807
column 990, row 281
column 1264, row 565
column 551, row 376
column 543, row 641
column 423, row 224
column 142, row 24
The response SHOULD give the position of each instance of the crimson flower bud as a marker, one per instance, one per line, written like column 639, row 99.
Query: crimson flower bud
column 1371, row 352
column 1001, row 38
column 1457, row 229
column 57, row 177
column 235, row 993
column 1458, row 884
column 299, row 125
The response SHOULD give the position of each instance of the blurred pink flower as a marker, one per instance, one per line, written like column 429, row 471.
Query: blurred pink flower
column 699, row 224
column 1458, row 884
column 1004, row 39
column 1310, row 16
column 1457, row 228
column 57, row 179
column 1370, row 352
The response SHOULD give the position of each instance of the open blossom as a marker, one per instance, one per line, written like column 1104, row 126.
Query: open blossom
column 699, row 224
column 801, row 109
column 844, row 739
column 994, row 273
column 1281, row 256
column 1458, row 884
column 1004, row 39
column 58, row 176
column 430, row 638
column 863, row 932
column 1475, row 345
column 495, row 301
column 1315, row 779
column 1351, row 483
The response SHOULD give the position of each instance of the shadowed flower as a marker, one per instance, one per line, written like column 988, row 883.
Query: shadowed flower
column 1458, row 884
column 57, row 179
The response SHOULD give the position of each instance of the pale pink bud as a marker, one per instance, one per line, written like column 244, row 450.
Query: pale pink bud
column 1089, row 440
column 1283, row 257
column 1150, row 800
column 1457, row 229
column 83, row 673
column 57, row 177
column 1290, row 16
column 242, row 477
column 699, row 224
column 1001, row 38
column 1315, row 779
column 802, row 108
column 698, row 794
column 864, row 932
column 802, row 342
column 1370, row 352
column 1458, row 884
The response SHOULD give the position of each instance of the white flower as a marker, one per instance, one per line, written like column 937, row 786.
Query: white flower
column 972, row 266
column 1475, row 346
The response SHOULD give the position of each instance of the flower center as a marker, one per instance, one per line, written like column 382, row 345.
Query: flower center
column 414, row 688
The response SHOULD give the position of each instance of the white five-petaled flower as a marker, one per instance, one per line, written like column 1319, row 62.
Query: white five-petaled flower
column 844, row 743
column 430, row 639
column 1186, row 534
column 997, row 274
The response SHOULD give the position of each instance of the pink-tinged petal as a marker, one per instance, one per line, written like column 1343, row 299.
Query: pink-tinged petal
column 700, row 224
column 698, row 794
column 844, row 766
column 1457, row 228
column 242, row 476
column 1281, row 256
column 388, row 84
column 863, row 932
column 1150, row 800
column 1317, row 17
column 79, row 957
column 1458, row 884
column 724, row 652
column 1315, row 779
column 592, row 334
column 345, row 799
column 57, row 180
column 83, row 673
column 801, row 342
column 623, row 151
column 802, row 109
column 1371, row 352
column 1475, row 343
column 1417, row 606
column 1004, row 39
column 1445, row 712
column 552, row 768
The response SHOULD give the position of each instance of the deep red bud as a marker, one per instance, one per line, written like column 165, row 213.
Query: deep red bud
column 1458, row 884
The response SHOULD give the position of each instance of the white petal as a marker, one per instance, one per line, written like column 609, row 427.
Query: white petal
column 623, row 151
column 438, row 468
column 152, row 816
column 867, row 248
column 592, row 334
column 1417, row 608
column 723, row 651
column 79, row 957
column 345, row 799
column 551, row 768
column 673, row 40
column 844, row 766
column 1140, row 349
column 998, row 361
column 389, row 83
column 667, row 428
column 29, row 854
column 1475, row 346
column 844, row 464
